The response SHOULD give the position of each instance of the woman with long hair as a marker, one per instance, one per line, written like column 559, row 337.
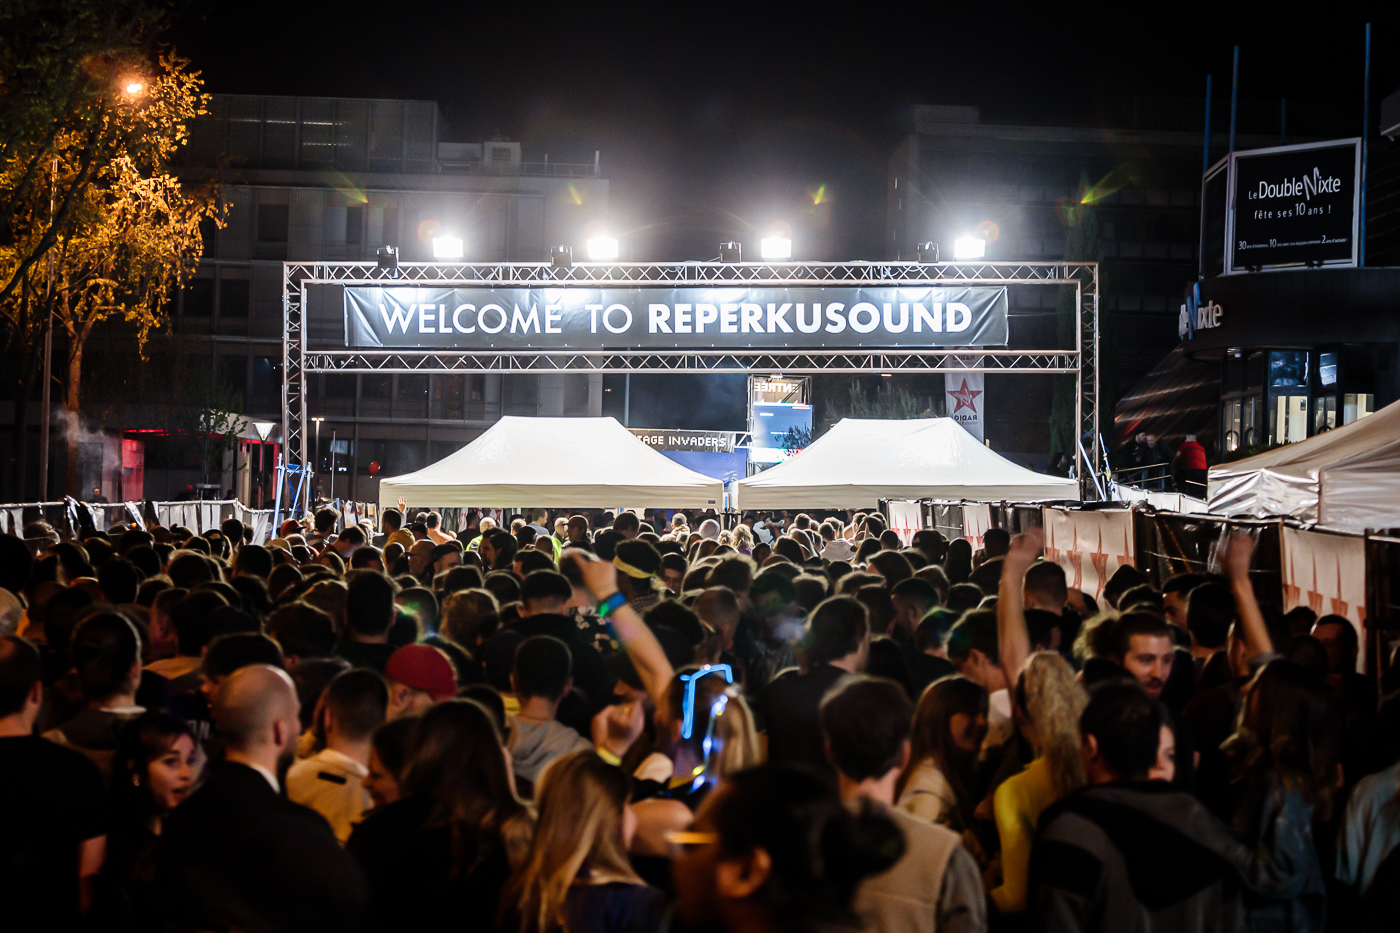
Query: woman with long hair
column 775, row 851
column 743, row 539
column 577, row 878
column 950, row 723
column 155, row 768
column 1049, row 701
column 1283, row 757
column 958, row 564
column 706, row 732
column 440, row 855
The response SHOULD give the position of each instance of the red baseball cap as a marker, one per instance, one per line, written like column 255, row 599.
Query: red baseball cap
column 425, row 668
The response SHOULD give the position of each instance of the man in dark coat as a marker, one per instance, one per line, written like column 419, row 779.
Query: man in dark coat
column 237, row 854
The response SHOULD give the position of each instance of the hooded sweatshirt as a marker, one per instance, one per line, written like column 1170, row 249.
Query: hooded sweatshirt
column 534, row 745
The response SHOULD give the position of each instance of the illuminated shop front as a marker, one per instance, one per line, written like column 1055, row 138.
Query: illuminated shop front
column 1300, row 351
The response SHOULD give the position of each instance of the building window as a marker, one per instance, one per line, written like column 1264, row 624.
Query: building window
column 272, row 223
column 412, row 400
column 233, row 293
column 199, row 297
column 1357, row 405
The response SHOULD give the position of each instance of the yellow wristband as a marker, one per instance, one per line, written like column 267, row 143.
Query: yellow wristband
column 609, row 757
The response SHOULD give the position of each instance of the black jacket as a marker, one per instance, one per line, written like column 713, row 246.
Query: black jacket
column 237, row 855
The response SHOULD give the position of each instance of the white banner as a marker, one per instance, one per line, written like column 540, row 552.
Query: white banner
column 906, row 517
column 964, row 395
column 1089, row 545
column 1327, row 573
column 977, row 519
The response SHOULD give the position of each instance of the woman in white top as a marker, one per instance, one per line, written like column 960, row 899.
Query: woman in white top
column 949, row 725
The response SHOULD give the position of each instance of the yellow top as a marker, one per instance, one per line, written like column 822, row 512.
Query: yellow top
column 1019, row 802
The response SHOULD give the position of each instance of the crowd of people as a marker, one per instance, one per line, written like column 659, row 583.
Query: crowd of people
column 619, row 723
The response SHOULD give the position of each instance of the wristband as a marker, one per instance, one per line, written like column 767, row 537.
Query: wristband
column 608, row 756
column 610, row 605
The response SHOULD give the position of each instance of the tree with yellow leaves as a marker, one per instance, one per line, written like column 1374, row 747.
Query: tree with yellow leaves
column 93, row 226
column 137, row 239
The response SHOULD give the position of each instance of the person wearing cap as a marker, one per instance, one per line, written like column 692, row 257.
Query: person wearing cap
column 637, row 563
column 419, row 676
column 331, row 781
column 709, row 529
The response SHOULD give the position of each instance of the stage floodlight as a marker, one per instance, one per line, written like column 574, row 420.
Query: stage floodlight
column 447, row 247
column 775, row 247
column 928, row 252
column 602, row 247
column 731, row 251
column 388, row 257
column 561, row 257
column 969, row 247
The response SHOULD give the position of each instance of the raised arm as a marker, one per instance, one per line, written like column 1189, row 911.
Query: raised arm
column 1234, row 559
column 1013, row 640
column 600, row 577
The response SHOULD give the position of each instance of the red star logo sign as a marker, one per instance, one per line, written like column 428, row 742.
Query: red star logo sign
column 965, row 397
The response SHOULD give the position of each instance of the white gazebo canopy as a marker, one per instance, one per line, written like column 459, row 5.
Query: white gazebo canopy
column 555, row 463
column 1348, row 477
column 858, row 462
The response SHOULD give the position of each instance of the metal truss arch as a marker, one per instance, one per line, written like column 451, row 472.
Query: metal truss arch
column 1080, row 360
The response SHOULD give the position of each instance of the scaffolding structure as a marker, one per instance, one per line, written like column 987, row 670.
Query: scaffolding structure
column 1082, row 360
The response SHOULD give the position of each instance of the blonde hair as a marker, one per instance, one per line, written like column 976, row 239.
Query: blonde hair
column 742, row 536
column 578, row 839
column 1053, row 700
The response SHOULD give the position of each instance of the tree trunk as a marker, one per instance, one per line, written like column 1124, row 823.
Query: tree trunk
column 70, row 406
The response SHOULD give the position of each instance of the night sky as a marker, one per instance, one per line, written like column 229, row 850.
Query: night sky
column 717, row 120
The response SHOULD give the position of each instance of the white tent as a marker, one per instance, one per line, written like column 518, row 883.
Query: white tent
column 555, row 463
column 858, row 462
column 1348, row 477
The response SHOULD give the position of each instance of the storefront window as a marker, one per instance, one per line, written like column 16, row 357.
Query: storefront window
column 1288, row 368
column 1356, row 406
column 1234, row 411
column 1327, row 368
column 1290, row 419
column 1325, row 415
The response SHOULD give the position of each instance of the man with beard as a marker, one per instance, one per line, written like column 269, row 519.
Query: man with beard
column 237, row 854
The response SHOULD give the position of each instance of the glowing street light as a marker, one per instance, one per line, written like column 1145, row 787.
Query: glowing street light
column 969, row 247
column 602, row 247
column 447, row 247
column 775, row 247
column 134, row 87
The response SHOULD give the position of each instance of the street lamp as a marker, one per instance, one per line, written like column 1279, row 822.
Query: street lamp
column 316, row 461
column 134, row 87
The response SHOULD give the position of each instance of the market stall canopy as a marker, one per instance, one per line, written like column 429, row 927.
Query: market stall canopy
column 1348, row 477
column 859, row 462
column 555, row 463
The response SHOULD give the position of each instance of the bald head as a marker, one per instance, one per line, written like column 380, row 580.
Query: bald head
column 419, row 556
column 256, row 707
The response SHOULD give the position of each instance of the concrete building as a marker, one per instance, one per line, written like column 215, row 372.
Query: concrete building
column 334, row 179
column 1019, row 187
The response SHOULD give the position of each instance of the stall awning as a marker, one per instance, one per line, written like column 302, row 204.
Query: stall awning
column 859, row 462
column 555, row 463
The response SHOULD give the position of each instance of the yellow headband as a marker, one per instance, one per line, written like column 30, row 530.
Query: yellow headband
column 631, row 571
